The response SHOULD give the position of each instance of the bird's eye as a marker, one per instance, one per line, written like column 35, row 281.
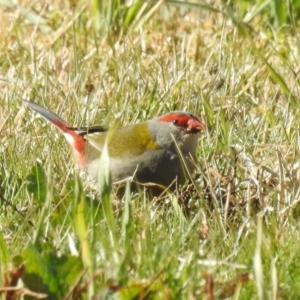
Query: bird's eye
column 175, row 122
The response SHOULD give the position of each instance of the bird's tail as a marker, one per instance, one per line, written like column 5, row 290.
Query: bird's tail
column 74, row 138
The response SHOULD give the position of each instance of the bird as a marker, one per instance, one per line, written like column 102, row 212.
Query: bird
column 151, row 152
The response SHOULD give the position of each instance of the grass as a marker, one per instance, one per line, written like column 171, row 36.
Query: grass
column 234, row 235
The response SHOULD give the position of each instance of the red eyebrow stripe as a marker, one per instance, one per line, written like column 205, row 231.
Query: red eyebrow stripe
column 181, row 118
column 171, row 117
column 189, row 122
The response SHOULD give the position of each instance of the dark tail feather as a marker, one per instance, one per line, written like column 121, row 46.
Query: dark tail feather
column 74, row 138
column 48, row 115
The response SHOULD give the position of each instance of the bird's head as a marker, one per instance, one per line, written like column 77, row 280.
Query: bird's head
column 178, row 126
column 186, row 122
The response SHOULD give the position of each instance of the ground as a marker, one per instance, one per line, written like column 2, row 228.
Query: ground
column 231, row 232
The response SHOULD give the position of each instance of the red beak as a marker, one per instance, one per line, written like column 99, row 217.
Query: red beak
column 195, row 125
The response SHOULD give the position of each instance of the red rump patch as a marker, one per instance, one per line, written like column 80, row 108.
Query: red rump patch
column 76, row 141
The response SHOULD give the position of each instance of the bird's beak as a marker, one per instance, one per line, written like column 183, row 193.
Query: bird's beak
column 195, row 125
